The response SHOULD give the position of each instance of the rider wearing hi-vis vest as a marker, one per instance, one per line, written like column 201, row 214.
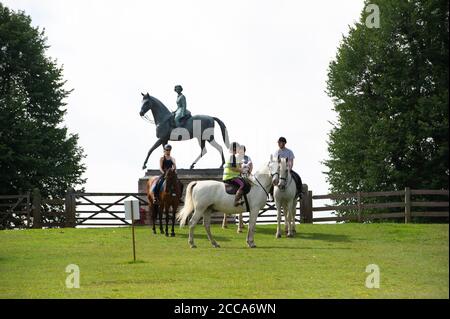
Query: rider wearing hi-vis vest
column 232, row 172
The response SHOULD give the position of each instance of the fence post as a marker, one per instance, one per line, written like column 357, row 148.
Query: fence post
column 359, row 206
column 309, row 205
column 407, row 205
column 70, row 208
column 37, row 208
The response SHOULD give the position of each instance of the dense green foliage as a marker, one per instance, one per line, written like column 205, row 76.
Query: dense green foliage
column 35, row 148
column 390, row 90
column 322, row 261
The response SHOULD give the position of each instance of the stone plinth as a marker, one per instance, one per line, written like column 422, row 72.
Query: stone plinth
column 186, row 176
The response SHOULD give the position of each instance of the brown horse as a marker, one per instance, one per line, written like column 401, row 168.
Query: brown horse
column 168, row 201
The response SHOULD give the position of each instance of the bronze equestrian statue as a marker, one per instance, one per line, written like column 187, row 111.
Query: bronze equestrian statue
column 173, row 127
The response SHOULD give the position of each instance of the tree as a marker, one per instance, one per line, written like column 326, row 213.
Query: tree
column 36, row 150
column 390, row 90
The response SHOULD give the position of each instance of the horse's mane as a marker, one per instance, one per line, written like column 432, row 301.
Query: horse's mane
column 262, row 170
column 283, row 162
column 160, row 104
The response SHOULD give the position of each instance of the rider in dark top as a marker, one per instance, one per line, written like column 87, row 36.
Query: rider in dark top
column 166, row 162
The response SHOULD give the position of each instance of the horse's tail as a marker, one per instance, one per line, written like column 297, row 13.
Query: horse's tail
column 224, row 130
column 188, row 207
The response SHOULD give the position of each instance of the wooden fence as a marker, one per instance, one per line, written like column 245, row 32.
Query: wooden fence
column 15, row 211
column 412, row 204
column 98, row 209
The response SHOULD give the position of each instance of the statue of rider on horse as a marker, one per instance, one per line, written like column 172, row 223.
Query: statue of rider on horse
column 181, row 125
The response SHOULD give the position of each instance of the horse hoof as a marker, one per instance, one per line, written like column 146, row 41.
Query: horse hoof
column 251, row 245
column 216, row 246
column 278, row 236
column 144, row 167
column 167, row 234
column 172, row 235
column 193, row 246
column 224, row 227
column 239, row 231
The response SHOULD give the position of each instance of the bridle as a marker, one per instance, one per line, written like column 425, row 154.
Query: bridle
column 145, row 116
column 279, row 177
column 276, row 173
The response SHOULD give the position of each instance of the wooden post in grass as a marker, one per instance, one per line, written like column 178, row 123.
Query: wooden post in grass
column 132, row 230
column 407, row 205
column 132, row 212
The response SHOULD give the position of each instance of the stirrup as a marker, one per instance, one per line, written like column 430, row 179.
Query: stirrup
column 237, row 198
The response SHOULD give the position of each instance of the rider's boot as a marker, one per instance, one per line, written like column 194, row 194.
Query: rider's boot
column 237, row 199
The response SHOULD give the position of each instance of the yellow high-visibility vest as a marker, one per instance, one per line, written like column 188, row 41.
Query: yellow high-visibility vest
column 228, row 173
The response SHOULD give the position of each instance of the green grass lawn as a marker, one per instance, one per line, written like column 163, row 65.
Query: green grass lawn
column 323, row 261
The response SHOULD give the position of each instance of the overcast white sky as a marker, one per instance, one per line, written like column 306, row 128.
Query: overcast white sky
column 259, row 66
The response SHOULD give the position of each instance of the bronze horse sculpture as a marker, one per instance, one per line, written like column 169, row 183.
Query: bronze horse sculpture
column 197, row 126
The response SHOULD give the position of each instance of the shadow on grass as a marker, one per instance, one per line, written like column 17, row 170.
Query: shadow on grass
column 325, row 237
column 136, row 262
column 263, row 247
column 203, row 236
column 303, row 247
column 310, row 236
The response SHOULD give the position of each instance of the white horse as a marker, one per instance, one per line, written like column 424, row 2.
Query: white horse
column 284, row 193
column 205, row 197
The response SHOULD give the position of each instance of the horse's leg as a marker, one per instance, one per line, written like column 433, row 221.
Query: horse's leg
column 202, row 152
column 224, row 222
column 278, row 205
column 219, row 148
column 174, row 212
column 289, row 219
column 286, row 212
column 166, row 210
column 241, row 224
column 160, row 213
column 207, row 219
column 153, row 212
column 194, row 220
column 251, row 229
column 150, row 209
column 294, row 211
column 154, row 147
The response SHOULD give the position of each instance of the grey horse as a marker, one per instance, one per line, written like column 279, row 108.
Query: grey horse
column 198, row 126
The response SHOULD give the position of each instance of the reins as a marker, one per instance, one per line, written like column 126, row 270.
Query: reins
column 146, row 118
column 261, row 185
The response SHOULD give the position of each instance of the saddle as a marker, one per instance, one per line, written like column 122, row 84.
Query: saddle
column 231, row 188
column 183, row 120
column 155, row 187
column 298, row 183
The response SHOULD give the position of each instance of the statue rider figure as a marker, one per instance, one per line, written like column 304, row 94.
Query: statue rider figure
column 181, row 113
